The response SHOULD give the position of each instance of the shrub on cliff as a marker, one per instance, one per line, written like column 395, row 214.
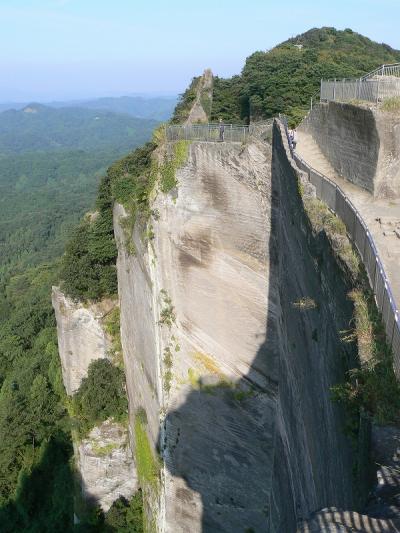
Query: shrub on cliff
column 101, row 395
column 125, row 516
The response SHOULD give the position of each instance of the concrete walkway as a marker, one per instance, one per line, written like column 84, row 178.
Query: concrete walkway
column 381, row 216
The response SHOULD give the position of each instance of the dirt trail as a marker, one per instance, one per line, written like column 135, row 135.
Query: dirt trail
column 381, row 216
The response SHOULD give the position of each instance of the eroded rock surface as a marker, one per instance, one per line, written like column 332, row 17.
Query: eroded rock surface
column 105, row 464
column 104, row 460
column 81, row 336
column 207, row 406
column 361, row 143
column 233, row 371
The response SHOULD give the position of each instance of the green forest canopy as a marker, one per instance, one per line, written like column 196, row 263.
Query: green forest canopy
column 41, row 128
column 50, row 168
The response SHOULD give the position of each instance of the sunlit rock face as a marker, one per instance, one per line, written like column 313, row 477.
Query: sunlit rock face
column 233, row 371
column 81, row 337
column 105, row 464
column 209, row 405
column 361, row 143
column 104, row 461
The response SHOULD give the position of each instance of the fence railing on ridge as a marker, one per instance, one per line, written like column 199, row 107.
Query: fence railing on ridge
column 330, row 193
column 376, row 86
column 217, row 132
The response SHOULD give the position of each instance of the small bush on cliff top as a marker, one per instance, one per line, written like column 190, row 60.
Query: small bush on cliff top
column 101, row 395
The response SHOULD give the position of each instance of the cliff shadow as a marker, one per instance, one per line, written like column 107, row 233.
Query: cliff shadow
column 44, row 497
column 265, row 451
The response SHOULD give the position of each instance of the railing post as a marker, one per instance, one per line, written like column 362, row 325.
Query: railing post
column 334, row 89
column 377, row 92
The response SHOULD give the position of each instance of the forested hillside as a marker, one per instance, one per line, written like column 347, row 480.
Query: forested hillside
column 155, row 108
column 37, row 127
column 50, row 168
column 283, row 79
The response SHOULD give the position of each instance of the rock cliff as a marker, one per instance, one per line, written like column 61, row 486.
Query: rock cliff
column 103, row 460
column 81, row 336
column 193, row 316
column 105, row 465
column 231, row 320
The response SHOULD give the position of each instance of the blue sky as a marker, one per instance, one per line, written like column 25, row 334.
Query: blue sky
column 64, row 49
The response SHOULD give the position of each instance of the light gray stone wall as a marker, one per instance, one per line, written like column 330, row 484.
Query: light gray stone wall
column 361, row 143
column 104, row 459
column 348, row 137
column 81, row 337
column 214, row 424
column 105, row 464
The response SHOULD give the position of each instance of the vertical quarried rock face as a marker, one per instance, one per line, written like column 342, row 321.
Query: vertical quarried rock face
column 105, row 464
column 104, row 458
column 194, row 305
column 361, row 143
column 313, row 458
column 81, row 337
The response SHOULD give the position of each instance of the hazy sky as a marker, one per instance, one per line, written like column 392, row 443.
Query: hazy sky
column 59, row 49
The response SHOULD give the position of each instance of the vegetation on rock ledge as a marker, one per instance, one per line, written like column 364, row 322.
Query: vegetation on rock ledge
column 101, row 396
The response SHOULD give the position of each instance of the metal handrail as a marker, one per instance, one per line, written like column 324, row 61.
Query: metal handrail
column 384, row 70
column 376, row 86
column 215, row 132
column 375, row 270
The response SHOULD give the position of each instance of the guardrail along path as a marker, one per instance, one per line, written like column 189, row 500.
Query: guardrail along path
column 375, row 231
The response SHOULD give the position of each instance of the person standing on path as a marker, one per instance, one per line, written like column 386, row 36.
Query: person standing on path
column 221, row 130
column 294, row 139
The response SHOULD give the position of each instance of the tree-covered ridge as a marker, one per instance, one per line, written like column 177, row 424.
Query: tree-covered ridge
column 41, row 128
column 42, row 197
column 155, row 108
column 283, row 79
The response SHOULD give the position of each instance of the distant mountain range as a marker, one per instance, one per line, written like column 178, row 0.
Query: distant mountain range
column 156, row 108
column 37, row 127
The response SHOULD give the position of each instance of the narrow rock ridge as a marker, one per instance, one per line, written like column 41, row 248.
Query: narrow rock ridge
column 199, row 112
